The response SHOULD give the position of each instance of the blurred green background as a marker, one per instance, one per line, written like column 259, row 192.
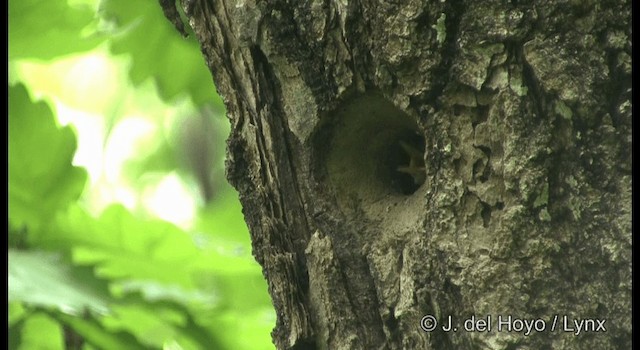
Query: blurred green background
column 123, row 233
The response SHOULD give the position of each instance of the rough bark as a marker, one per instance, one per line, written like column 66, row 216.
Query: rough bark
column 519, row 203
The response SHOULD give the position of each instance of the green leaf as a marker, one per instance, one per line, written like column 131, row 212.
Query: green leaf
column 151, row 323
column 48, row 28
column 41, row 177
column 45, row 279
column 15, row 335
column 159, row 51
column 95, row 334
column 17, row 312
column 125, row 247
column 41, row 332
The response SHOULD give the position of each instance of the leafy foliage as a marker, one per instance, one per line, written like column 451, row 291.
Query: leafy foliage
column 39, row 185
column 49, row 28
column 149, row 37
column 44, row 279
column 120, row 278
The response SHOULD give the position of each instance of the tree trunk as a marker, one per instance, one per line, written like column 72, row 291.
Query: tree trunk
column 398, row 161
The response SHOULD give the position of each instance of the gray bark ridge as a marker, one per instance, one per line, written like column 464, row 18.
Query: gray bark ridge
column 461, row 160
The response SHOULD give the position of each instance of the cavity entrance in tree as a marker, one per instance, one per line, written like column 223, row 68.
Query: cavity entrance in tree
column 376, row 153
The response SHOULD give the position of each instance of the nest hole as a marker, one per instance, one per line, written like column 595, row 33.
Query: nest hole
column 376, row 152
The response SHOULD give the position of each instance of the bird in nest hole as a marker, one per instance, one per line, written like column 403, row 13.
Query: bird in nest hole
column 416, row 166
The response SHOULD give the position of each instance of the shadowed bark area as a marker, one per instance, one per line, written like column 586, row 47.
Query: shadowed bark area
column 445, row 158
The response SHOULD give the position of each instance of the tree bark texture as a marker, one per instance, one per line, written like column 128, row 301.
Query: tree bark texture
column 403, row 159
